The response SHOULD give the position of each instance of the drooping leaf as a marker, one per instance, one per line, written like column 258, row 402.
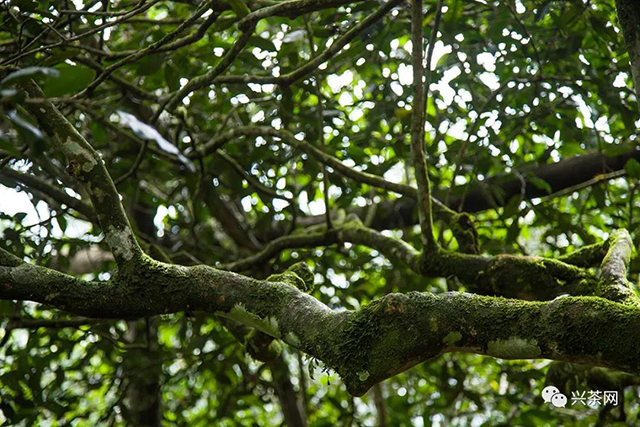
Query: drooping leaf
column 26, row 129
column 29, row 73
column 144, row 131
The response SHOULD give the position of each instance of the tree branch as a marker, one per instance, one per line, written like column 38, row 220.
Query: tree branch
column 34, row 183
column 350, row 231
column 334, row 163
column 154, row 47
column 461, row 223
column 629, row 17
column 567, row 173
column 86, row 164
column 364, row 346
column 417, row 127
column 572, row 172
column 528, row 278
column 613, row 272
column 587, row 256
column 247, row 26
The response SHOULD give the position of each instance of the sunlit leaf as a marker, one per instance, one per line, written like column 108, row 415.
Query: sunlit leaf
column 144, row 131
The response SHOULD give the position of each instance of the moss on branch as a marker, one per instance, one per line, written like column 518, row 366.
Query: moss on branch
column 511, row 276
column 364, row 346
column 613, row 282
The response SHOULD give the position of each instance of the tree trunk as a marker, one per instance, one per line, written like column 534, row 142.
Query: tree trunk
column 142, row 370
column 629, row 17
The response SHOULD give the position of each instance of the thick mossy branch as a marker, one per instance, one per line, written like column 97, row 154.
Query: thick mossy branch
column 613, row 283
column 587, row 256
column 365, row 346
column 510, row 276
column 399, row 331
column 84, row 163
column 349, row 231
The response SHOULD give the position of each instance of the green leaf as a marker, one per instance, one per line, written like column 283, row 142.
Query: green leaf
column 541, row 184
column 150, row 64
column 633, row 168
column 514, row 231
column 239, row 8
column 172, row 77
column 29, row 132
column 512, row 207
column 144, row 131
column 29, row 73
column 9, row 147
column 62, row 222
column 72, row 79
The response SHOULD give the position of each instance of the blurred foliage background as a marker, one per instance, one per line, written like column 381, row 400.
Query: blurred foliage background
column 516, row 85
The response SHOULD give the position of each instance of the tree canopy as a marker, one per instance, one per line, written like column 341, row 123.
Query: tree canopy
column 316, row 212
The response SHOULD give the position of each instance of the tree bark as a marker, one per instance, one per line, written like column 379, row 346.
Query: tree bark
column 629, row 17
column 364, row 346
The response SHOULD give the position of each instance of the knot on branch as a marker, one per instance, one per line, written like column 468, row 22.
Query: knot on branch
column 299, row 276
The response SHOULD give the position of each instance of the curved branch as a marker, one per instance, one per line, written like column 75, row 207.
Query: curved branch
column 527, row 278
column 35, row 183
column 573, row 172
column 460, row 223
column 275, row 247
column 291, row 9
column 140, row 9
column 86, row 164
column 175, row 45
column 289, row 138
column 352, row 231
column 587, row 256
column 365, row 346
column 614, row 269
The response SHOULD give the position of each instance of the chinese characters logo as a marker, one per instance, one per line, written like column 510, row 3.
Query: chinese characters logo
column 592, row 398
